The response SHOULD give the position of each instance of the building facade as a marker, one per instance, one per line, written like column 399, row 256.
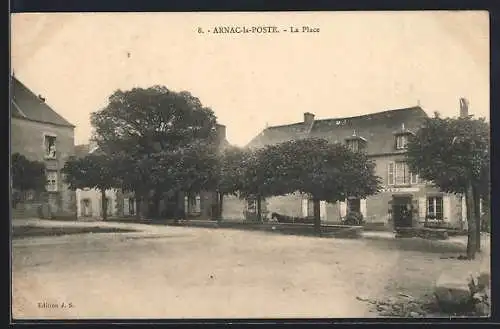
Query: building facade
column 89, row 200
column 41, row 134
column 405, row 200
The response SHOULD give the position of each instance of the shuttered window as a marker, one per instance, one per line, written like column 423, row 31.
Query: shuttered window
column 51, row 181
column 414, row 178
column 390, row 173
column 401, row 142
column 398, row 173
column 402, row 173
column 435, row 208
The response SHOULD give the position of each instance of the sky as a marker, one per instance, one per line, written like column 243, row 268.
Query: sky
column 358, row 63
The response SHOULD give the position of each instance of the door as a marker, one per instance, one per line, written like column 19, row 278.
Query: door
column 86, row 209
column 402, row 211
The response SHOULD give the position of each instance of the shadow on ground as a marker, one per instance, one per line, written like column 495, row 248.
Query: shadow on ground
column 417, row 244
column 19, row 232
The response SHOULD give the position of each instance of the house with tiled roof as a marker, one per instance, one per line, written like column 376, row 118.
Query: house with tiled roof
column 89, row 200
column 41, row 134
column 383, row 137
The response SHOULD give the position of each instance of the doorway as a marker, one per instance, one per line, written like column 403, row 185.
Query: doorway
column 86, row 208
column 402, row 211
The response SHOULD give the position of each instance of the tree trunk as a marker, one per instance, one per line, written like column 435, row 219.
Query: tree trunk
column 259, row 209
column 138, row 200
column 156, row 205
column 104, row 205
column 471, row 216
column 477, row 218
column 317, row 216
column 220, row 205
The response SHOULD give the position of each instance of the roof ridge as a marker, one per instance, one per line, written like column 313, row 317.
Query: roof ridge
column 417, row 107
column 376, row 113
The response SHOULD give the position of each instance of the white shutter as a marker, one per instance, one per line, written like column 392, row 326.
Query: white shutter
column 390, row 173
column 126, row 207
column 304, row 207
column 343, row 209
column 322, row 210
column 362, row 206
column 446, row 208
column 422, row 208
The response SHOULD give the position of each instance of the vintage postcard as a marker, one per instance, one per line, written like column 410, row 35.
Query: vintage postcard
column 255, row 165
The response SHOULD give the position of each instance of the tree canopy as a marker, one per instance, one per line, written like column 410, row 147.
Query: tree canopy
column 27, row 174
column 162, row 140
column 314, row 167
column 450, row 152
column 231, row 161
column 454, row 153
column 92, row 171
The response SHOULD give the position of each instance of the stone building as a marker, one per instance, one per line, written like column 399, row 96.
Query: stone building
column 41, row 134
column 383, row 136
column 89, row 200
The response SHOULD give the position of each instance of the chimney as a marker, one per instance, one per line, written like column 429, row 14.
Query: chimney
column 464, row 107
column 308, row 118
column 41, row 98
column 221, row 132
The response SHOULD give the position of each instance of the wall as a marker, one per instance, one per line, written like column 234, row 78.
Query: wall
column 233, row 207
column 95, row 198
column 378, row 205
column 27, row 138
column 289, row 205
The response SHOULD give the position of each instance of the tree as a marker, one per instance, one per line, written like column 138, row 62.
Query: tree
column 92, row 171
column 313, row 167
column 27, row 175
column 229, row 175
column 453, row 153
column 166, row 140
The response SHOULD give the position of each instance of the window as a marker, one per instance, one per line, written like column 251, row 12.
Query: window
column 390, row 174
column 353, row 145
column 310, row 208
column 399, row 174
column 435, row 208
column 194, row 204
column 414, row 178
column 109, row 206
column 51, row 180
column 353, row 205
column 402, row 174
column 251, row 206
column 50, row 146
column 401, row 142
column 29, row 196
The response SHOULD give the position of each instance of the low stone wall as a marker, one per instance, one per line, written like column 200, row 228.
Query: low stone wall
column 287, row 228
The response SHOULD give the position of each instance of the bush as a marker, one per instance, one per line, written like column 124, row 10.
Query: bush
column 353, row 218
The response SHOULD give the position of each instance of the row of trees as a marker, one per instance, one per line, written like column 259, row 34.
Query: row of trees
column 157, row 142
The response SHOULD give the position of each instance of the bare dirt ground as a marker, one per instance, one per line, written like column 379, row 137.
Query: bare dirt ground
column 180, row 272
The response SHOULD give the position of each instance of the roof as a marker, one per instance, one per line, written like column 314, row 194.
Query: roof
column 377, row 129
column 26, row 104
column 82, row 150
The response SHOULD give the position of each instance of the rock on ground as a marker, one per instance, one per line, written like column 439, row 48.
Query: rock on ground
column 452, row 289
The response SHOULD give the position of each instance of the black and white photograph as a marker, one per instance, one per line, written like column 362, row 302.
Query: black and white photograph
column 250, row 165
